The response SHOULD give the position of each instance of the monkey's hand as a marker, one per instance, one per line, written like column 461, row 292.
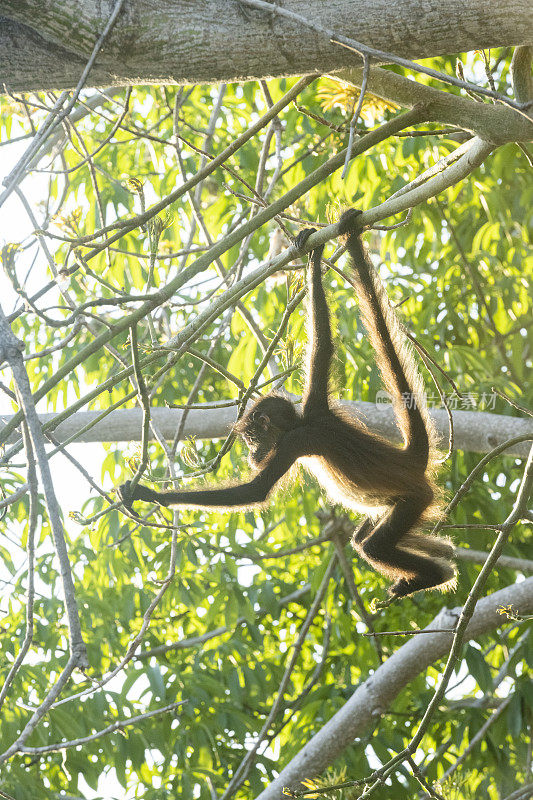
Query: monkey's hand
column 126, row 496
column 130, row 494
column 347, row 222
column 302, row 237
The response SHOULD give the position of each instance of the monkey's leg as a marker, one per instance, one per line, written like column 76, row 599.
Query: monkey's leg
column 383, row 549
column 432, row 546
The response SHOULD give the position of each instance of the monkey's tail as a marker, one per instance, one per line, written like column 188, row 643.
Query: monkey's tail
column 395, row 359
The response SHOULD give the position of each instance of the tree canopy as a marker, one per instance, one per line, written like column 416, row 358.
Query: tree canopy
column 213, row 654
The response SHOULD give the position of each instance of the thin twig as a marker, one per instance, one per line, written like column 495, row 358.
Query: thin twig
column 355, row 116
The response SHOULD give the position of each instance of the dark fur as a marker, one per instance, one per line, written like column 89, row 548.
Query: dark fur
column 358, row 469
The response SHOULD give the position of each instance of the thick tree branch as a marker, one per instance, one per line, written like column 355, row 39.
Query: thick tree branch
column 493, row 123
column 477, row 431
column 45, row 45
column 376, row 694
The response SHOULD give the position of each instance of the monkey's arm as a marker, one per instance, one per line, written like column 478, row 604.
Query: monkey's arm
column 241, row 495
column 397, row 366
column 315, row 396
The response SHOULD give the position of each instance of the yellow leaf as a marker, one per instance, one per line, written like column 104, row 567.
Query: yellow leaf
column 344, row 95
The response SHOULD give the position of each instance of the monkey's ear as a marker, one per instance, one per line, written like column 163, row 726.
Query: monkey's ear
column 263, row 420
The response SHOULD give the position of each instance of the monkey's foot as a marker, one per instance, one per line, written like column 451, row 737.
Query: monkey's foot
column 379, row 605
column 302, row 237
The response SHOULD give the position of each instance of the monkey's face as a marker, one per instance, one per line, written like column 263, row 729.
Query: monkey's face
column 263, row 426
column 259, row 434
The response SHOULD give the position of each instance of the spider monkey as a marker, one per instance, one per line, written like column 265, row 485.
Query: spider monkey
column 358, row 469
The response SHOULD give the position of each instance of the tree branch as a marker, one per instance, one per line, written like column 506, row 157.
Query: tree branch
column 10, row 351
column 377, row 693
column 45, row 45
column 476, row 431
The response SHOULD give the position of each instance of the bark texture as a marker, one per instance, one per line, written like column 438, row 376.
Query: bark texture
column 44, row 44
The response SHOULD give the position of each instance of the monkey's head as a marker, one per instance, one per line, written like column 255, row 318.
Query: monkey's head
column 264, row 424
